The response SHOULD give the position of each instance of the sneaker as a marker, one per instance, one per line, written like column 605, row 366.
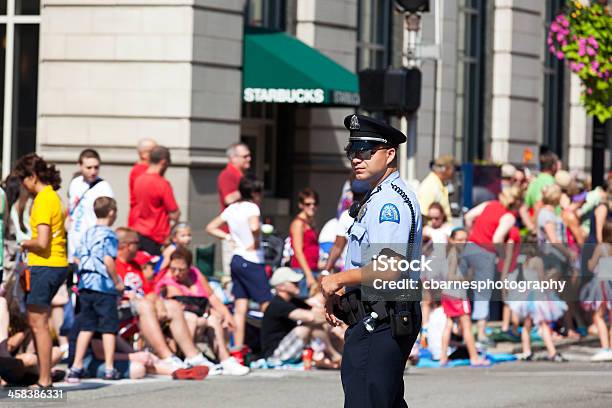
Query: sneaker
column 602, row 355
column 198, row 360
column 557, row 358
column 232, row 367
column 197, row 373
column 112, row 374
column 74, row 375
column 173, row 363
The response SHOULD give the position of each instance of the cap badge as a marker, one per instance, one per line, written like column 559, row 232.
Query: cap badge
column 354, row 123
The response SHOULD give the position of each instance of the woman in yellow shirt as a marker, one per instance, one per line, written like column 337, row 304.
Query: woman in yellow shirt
column 47, row 261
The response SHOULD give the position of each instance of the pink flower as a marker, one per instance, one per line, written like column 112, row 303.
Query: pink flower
column 560, row 54
column 594, row 65
column 555, row 27
column 581, row 51
column 593, row 42
column 560, row 37
column 564, row 22
column 589, row 91
column 590, row 51
column 552, row 49
column 549, row 41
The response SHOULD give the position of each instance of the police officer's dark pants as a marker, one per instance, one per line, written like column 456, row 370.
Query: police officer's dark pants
column 373, row 367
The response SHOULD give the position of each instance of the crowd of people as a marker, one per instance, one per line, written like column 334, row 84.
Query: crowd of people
column 553, row 226
column 127, row 301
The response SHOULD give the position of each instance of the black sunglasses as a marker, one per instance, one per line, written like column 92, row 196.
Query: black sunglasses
column 363, row 154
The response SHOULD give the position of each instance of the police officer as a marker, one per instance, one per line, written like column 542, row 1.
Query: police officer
column 388, row 221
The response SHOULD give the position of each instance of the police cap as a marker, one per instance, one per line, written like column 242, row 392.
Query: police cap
column 372, row 131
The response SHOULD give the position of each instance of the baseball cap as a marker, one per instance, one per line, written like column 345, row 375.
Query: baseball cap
column 285, row 274
column 507, row 170
column 143, row 257
column 563, row 179
column 445, row 160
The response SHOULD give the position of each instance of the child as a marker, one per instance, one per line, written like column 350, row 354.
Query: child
column 537, row 307
column 99, row 287
column 597, row 294
column 456, row 304
column 180, row 237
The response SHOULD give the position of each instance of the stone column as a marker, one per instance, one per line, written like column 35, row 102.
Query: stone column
column 580, row 131
column 437, row 115
column 114, row 72
column 330, row 27
column 517, row 79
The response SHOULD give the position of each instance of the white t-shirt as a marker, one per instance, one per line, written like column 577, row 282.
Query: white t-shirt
column 237, row 218
column 438, row 235
column 80, row 209
column 435, row 331
column 344, row 223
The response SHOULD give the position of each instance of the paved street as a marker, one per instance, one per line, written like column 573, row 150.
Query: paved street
column 518, row 384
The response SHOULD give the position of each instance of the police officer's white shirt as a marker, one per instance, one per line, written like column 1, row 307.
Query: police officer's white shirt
column 80, row 209
column 237, row 218
column 385, row 222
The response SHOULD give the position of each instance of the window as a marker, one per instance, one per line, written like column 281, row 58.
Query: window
column 554, row 79
column 266, row 13
column 373, row 33
column 470, row 79
column 19, row 28
column 258, row 131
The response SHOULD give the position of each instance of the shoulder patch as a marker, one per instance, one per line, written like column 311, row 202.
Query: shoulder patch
column 389, row 212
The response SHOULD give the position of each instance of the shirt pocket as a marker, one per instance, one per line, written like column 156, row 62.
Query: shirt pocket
column 358, row 244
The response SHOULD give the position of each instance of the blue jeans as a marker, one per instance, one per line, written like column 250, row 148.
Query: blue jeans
column 302, row 284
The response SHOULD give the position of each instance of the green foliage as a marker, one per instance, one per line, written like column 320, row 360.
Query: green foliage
column 582, row 35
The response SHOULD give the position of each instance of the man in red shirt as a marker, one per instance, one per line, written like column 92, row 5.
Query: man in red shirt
column 156, row 206
column 152, row 309
column 140, row 167
column 238, row 162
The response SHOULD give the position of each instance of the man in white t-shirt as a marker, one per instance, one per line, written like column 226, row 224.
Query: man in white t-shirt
column 82, row 193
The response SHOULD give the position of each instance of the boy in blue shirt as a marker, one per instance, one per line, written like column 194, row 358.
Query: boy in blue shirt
column 99, row 286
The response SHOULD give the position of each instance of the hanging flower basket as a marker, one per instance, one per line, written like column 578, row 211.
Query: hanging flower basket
column 582, row 35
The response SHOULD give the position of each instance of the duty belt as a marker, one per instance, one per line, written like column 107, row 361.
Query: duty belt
column 351, row 309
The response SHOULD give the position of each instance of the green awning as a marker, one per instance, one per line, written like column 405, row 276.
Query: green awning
column 280, row 68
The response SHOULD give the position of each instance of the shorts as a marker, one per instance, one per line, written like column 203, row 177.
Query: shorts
column 290, row 348
column 45, row 281
column 454, row 307
column 148, row 245
column 249, row 280
column 98, row 312
column 95, row 368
